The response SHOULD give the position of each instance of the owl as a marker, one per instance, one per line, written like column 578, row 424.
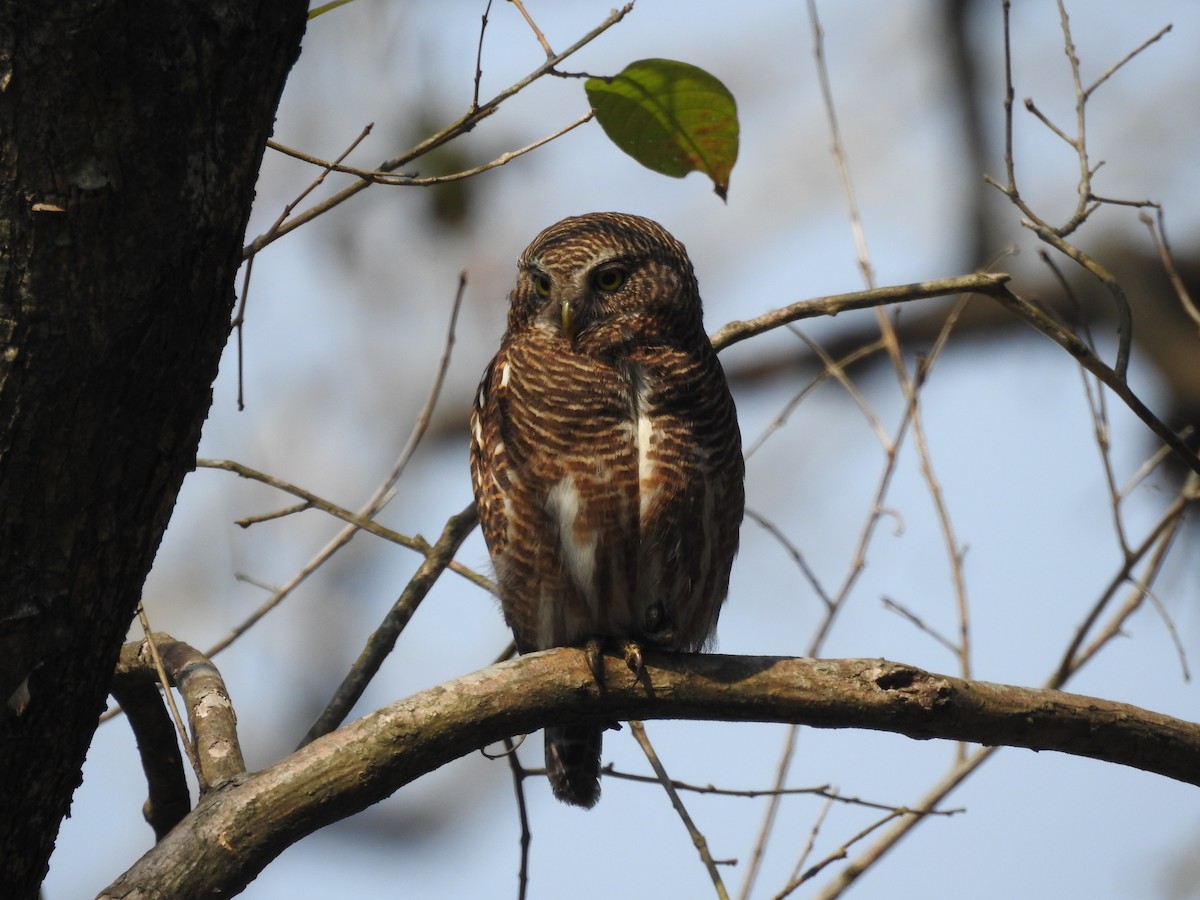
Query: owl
column 606, row 459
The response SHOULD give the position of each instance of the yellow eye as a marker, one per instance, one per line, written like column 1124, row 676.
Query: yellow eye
column 609, row 280
column 541, row 284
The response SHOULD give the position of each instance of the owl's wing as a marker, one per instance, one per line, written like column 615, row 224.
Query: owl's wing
column 555, row 472
column 489, row 460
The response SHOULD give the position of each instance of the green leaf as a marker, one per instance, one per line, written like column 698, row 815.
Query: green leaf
column 672, row 117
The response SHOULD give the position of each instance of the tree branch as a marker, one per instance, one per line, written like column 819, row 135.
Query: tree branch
column 210, row 715
column 978, row 283
column 236, row 831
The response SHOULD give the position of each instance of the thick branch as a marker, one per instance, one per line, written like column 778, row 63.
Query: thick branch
column 235, row 832
column 210, row 715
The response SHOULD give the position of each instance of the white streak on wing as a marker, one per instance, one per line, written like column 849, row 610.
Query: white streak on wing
column 643, row 435
column 646, row 483
column 505, row 372
column 578, row 553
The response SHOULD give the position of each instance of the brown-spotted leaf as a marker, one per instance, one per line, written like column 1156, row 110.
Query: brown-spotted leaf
column 670, row 116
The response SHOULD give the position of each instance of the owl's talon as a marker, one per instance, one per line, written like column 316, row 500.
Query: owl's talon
column 633, row 658
column 594, row 650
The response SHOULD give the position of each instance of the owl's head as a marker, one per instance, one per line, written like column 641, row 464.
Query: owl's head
column 605, row 279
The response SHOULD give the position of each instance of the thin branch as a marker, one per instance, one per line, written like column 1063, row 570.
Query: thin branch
column 811, row 841
column 890, row 838
column 824, row 791
column 519, row 774
column 841, row 852
column 966, row 766
column 977, row 283
column 1156, row 459
column 466, row 122
column 794, row 552
column 838, row 147
column 780, row 420
column 383, row 494
column 483, row 24
column 1112, row 70
column 1071, row 342
column 920, row 624
column 537, row 32
column 838, row 374
column 698, row 839
column 313, row 501
column 239, row 319
column 166, row 683
column 401, row 180
column 383, row 640
column 1155, row 546
column 954, row 551
column 1159, row 236
column 876, row 513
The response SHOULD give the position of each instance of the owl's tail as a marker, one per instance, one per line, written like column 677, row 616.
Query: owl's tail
column 573, row 763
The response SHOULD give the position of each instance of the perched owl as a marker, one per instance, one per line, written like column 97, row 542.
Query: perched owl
column 606, row 458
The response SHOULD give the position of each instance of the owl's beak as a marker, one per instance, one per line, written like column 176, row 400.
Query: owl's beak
column 570, row 320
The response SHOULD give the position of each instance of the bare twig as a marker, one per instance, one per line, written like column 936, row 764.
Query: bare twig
column 1159, row 236
column 639, row 734
column 519, row 773
column 474, row 115
column 1112, row 70
column 978, row 283
column 1159, row 538
column 824, row 791
column 954, row 551
column 400, row 180
column 890, row 838
column 166, row 683
column 780, row 420
column 483, row 24
column 794, row 552
column 360, row 523
column 1087, row 200
column 842, row 852
column 383, row 639
column 239, row 318
column 383, row 494
column 537, row 32
column 920, row 624
column 838, row 374
column 811, row 841
column 1071, row 342
column 838, row 148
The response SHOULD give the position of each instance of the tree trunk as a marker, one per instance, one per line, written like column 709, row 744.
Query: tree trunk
column 131, row 133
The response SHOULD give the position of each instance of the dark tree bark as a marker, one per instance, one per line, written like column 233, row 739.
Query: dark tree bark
column 131, row 133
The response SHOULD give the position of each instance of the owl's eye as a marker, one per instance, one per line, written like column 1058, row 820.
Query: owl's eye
column 609, row 280
column 541, row 284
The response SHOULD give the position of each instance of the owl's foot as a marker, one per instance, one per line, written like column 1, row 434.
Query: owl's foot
column 633, row 658
column 630, row 650
column 594, row 650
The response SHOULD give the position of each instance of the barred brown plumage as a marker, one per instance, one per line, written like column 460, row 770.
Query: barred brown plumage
column 606, row 457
